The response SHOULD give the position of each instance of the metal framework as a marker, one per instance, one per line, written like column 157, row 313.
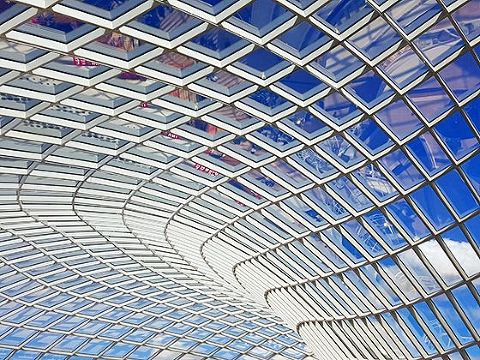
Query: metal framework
column 234, row 179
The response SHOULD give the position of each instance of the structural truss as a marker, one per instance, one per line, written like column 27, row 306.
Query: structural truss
column 234, row 179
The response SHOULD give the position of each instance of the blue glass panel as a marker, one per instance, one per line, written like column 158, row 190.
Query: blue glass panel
column 364, row 238
column 430, row 99
column 279, row 138
column 473, row 352
column 399, row 119
column 429, row 153
column 404, row 67
column 212, row 2
column 341, row 14
column 457, row 136
column 375, row 182
column 433, row 208
column 55, row 357
column 301, row 82
column 337, row 108
column 453, row 319
column 465, row 17
column 5, row 5
column 380, row 284
column 457, row 193
column 468, row 305
column 344, row 245
column 472, row 170
column 350, row 193
column 44, row 340
column 375, row 38
column 434, row 325
column 143, row 352
column 342, row 150
column 417, row 331
column 105, row 4
column 17, row 337
column 337, row 63
column 268, row 99
column 371, row 136
column 408, row 219
column 411, row 14
column 120, row 350
column 473, row 109
column 302, row 4
column 305, row 211
column 24, row 355
column 385, row 229
column 327, row 203
column 70, row 343
column 95, row 346
column 307, row 124
column 402, row 169
column 302, row 39
column 168, row 20
column 326, row 251
column 370, row 89
column 218, row 42
column 439, row 42
column 263, row 60
column 262, row 16
column 462, row 76
column 57, row 22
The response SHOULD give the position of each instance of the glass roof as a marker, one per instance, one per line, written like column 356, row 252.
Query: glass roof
column 240, row 180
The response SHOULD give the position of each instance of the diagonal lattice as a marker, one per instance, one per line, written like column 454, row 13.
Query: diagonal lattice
column 180, row 177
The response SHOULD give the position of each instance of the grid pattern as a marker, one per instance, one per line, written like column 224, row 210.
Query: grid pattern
column 180, row 177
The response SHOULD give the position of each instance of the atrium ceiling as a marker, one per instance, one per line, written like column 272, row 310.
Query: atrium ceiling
column 240, row 179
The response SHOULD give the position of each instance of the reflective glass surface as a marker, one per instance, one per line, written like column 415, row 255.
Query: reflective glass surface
column 240, row 179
